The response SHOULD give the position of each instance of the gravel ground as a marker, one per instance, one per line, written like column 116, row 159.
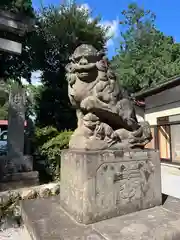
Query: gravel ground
column 15, row 234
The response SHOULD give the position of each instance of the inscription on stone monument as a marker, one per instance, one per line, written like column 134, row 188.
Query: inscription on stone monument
column 16, row 119
column 125, row 182
column 95, row 186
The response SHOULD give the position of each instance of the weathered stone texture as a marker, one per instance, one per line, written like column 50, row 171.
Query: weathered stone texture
column 104, row 184
column 16, row 118
column 106, row 118
column 16, row 169
column 45, row 219
column 19, row 180
column 153, row 224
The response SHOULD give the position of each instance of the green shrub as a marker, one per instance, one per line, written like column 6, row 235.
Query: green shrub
column 50, row 143
column 52, row 148
column 42, row 135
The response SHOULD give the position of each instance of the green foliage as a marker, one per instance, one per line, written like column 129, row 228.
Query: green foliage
column 42, row 135
column 146, row 56
column 4, row 97
column 32, row 94
column 18, row 6
column 17, row 66
column 50, row 143
column 4, row 111
column 59, row 31
column 33, row 99
column 52, row 148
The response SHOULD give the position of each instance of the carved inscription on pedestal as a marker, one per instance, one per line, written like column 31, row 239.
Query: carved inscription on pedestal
column 120, row 183
column 100, row 185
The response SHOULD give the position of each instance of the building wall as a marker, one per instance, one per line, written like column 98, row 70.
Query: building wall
column 165, row 103
column 139, row 113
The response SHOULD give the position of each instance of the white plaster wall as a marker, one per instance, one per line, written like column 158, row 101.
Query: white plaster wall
column 151, row 116
column 170, row 180
column 140, row 113
column 162, row 104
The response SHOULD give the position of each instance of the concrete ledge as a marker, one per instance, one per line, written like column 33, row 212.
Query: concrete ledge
column 45, row 219
column 170, row 165
column 9, row 200
column 45, row 190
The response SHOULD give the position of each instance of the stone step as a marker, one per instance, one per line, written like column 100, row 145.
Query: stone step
column 46, row 220
column 19, row 180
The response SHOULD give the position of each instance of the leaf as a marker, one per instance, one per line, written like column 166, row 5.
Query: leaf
column 145, row 56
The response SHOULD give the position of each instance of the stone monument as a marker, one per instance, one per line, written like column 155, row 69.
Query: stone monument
column 16, row 170
column 16, row 122
column 106, row 172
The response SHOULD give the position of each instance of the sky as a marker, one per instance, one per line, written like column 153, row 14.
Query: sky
column 167, row 15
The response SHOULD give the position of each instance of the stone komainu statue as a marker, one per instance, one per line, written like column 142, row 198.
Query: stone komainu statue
column 106, row 120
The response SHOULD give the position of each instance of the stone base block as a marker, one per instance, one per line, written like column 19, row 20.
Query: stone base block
column 11, row 164
column 45, row 219
column 104, row 184
column 19, row 180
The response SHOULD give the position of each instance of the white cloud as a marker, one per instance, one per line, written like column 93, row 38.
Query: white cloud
column 110, row 42
column 113, row 25
column 85, row 6
column 24, row 81
column 113, row 30
column 35, row 78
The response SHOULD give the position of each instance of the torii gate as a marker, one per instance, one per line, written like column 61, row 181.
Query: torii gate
column 17, row 25
column 15, row 161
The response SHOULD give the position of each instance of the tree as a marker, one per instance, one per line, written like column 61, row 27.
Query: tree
column 32, row 95
column 14, row 66
column 33, row 99
column 146, row 56
column 18, row 6
column 4, row 97
column 59, row 31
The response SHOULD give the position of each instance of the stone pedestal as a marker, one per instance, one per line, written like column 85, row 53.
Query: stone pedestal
column 17, row 173
column 104, row 184
column 19, row 180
